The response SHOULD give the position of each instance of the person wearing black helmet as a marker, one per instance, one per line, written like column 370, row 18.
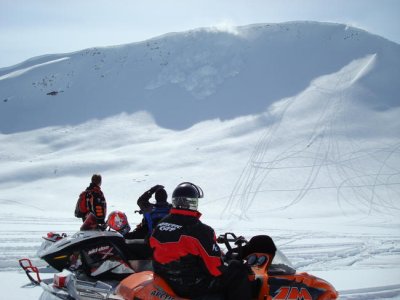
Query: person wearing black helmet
column 187, row 256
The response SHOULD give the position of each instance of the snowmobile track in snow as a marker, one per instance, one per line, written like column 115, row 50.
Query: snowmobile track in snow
column 377, row 293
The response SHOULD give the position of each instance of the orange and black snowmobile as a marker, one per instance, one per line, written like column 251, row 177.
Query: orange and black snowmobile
column 271, row 274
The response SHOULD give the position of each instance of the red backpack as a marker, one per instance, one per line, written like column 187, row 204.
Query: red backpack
column 82, row 205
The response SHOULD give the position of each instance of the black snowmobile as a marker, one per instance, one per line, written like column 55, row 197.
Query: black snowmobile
column 94, row 262
column 98, row 254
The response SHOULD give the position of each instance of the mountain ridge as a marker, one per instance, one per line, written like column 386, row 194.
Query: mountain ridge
column 216, row 73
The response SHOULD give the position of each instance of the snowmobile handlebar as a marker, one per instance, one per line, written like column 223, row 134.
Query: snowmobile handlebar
column 228, row 238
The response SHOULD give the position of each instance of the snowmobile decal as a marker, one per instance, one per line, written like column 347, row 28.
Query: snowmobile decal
column 60, row 257
column 161, row 294
column 292, row 293
column 99, row 249
column 168, row 226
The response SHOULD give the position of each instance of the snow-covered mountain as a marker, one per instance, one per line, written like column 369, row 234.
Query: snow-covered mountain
column 319, row 96
column 216, row 74
column 291, row 129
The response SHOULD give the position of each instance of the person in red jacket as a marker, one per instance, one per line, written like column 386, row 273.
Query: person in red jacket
column 96, row 204
column 187, row 256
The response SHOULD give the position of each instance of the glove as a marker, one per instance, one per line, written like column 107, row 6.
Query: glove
column 155, row 188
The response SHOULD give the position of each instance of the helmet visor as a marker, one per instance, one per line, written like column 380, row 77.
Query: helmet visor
column 185, row 203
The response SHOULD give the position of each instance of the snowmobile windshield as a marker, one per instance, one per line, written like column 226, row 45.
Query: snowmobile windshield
column 281, row 265
column 46, row 244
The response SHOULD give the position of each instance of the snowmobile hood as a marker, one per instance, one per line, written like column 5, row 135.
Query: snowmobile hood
column 49, row 247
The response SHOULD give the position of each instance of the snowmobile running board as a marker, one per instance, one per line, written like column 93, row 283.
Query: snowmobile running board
column 65, row 285
column 92, row 290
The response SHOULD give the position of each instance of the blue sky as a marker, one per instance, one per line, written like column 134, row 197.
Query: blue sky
column 36, row 27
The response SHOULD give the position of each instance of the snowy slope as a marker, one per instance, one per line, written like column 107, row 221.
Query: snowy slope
column 291, row 130
column 216, row 74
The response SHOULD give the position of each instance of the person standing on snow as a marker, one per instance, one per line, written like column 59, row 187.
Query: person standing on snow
column 96, row 205
column 187, row 256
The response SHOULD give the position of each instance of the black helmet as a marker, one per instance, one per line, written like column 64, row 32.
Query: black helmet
column 186, row 196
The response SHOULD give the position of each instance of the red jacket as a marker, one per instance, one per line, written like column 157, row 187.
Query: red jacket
column 185, row 253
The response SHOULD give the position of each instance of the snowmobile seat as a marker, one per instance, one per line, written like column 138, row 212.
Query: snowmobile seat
column 259, row 244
